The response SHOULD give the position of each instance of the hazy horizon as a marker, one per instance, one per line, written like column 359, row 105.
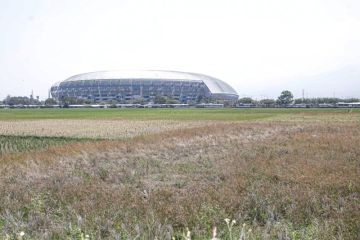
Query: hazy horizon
column 259, row 47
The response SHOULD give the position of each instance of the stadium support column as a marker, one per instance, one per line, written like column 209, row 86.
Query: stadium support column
column 173, row 88
column 98, row 85
column 131, row 89
column 181, row 90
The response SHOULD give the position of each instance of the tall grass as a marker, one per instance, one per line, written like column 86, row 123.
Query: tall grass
column 276, row 180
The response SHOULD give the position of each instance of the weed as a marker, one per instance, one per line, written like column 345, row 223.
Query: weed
column 284, row 180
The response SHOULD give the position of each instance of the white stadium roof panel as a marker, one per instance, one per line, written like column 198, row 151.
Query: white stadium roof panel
column 215, row 85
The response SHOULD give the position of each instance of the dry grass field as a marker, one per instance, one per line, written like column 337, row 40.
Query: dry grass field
column 89, row 128
column 292, row 176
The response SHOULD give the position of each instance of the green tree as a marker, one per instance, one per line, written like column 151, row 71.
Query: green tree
column 88, row 101
column 19, row 100
column 286, row 97
column 50, row 101
column 268, row 102
column 159, row 100
column 170, row 100
column 245, row 100
column 349, row 100
column 139, row 100
column 66, row 101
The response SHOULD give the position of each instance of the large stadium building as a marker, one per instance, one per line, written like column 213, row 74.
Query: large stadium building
column 128, row 85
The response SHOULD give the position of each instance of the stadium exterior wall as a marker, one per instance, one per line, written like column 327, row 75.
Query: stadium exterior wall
column 128, row 85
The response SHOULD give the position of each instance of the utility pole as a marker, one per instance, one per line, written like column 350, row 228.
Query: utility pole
column 303, row 95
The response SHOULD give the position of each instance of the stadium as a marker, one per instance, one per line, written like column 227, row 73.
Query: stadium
column 128, row 85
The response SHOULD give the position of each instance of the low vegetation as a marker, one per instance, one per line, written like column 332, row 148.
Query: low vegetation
column 227, row 114
column 19, row 144
column 291, row 176
column 95, row 129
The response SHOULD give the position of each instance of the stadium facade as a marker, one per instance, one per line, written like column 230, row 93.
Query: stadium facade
column 128, row 85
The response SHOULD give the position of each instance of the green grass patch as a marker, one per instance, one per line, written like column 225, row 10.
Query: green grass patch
column 19, row 144
column 161, row 114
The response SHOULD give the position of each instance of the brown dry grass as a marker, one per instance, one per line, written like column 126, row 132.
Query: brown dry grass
column 105, row 129
column 285, row 180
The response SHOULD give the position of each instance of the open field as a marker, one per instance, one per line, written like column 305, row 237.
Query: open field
column 97, row 129
column 165, row 114
column 281, row 174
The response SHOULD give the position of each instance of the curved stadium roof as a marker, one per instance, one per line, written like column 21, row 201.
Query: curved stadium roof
column 216, row 86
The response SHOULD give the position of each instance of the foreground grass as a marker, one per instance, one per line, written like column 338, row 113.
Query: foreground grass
column 164, row 114
column 283, row 180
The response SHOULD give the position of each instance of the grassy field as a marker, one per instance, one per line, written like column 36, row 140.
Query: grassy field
column 18, row 144
column 272, row 174
column 165, row 114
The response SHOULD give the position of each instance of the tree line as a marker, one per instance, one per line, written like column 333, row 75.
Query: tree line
column 21, row 100
column 285, row 98
column 65, row 101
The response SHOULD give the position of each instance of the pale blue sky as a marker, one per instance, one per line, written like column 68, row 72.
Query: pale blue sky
column 260, row 47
